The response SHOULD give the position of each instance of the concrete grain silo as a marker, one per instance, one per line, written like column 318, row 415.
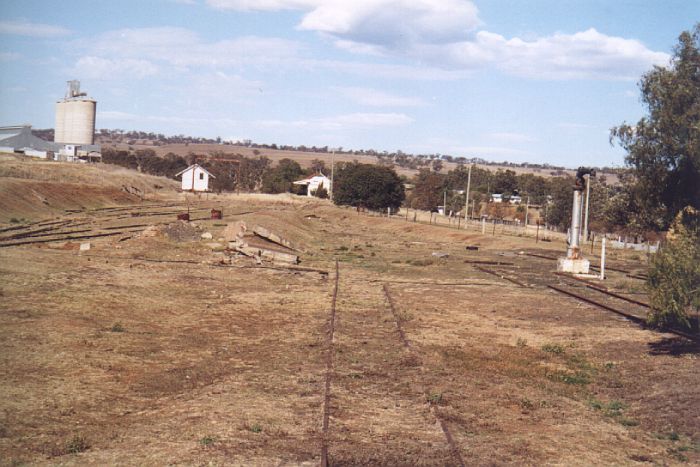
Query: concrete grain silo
column 75, row 117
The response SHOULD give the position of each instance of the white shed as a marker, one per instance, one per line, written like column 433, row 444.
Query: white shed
column 314, row 182
column 195, row 178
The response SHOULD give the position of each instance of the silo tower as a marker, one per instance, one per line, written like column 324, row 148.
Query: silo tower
column 75, row 117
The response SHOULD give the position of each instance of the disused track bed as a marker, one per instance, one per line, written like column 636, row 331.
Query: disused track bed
column 330, row 335
column 449, row 439
column 635, row 317
column 68, row 238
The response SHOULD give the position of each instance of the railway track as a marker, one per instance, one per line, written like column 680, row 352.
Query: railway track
column 436, row 413
column 601, row 298
column 329, row 371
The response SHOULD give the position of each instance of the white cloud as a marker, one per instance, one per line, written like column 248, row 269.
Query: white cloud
column 342, row 122
column 393, row 23
column 25, row 28
column 184, row 48
column 376, row 98
column 100, row 68
column 443, row 33
column 261, row 5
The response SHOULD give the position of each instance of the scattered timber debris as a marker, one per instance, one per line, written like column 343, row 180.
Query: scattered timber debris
column 262, row 232
column 261, row 254
column 472, row 248
column 234, row 231
column 235, row 234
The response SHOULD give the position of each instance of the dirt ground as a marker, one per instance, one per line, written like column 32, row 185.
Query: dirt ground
column 160, row 349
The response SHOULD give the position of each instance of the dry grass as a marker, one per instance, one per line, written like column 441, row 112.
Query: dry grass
column 111, row 359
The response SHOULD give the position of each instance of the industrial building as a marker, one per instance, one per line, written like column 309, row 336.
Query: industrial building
column 75, row 125
column 74, row 134
column 20, row 140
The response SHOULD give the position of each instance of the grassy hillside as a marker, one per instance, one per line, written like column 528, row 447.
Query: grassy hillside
column 33, row 189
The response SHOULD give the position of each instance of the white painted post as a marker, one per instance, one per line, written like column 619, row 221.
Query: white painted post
column 602, row 260
column 466, row 201
column 585, row 221
column 332, row 174
column 483, row 226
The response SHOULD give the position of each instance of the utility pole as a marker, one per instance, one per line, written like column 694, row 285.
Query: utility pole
column 588, row 195
column 444, row 203
column 527, row 210
column 332, row 173
column 466, row 201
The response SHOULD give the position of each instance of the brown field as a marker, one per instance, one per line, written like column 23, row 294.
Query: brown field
column 304, row 158
column 154, row 350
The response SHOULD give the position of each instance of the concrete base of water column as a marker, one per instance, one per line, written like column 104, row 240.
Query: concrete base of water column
column 573, row 266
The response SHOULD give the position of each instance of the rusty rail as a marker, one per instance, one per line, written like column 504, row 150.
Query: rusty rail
column 632, row 317
column 404, row 339
column 329, row 371
column 500, row 276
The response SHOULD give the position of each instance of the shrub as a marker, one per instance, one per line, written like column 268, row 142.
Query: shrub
column 674, row 276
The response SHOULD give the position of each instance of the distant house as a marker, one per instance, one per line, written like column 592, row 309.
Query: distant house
column 497, row 198
column 515, row 199
column 195, row 178
column 313, row 182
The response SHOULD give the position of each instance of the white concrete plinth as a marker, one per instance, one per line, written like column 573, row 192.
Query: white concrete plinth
column 573, row 266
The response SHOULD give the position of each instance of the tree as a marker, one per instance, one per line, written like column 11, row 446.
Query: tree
column 317, row 165
column 505, row 182
column 663, row 148
column 320, row 192
column 559, row 210
column 366, row 185
column 674, row 276
column 428, row 191
column 279, row 179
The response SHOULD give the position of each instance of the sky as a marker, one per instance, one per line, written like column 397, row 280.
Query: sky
column 539, row 81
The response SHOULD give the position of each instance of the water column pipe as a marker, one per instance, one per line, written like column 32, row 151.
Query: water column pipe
column 574, row 250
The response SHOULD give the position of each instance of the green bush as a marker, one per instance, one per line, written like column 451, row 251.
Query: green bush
column 674, row 276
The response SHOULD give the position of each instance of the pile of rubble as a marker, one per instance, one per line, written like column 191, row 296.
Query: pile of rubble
column 258, row 245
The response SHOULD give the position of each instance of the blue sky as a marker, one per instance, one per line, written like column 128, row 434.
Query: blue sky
column 537, row 81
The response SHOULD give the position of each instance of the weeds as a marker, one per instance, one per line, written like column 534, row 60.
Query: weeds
column 77, row 444
column 434, row 398
column 521, row 342
column 613, row 409
column 553, row 348
column 256, row 428
column 208, row 440
column 117, row 327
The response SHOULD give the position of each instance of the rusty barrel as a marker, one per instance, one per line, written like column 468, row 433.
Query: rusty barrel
column 217, row 214
column 185, row 216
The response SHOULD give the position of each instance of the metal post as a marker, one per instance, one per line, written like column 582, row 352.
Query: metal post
column 585, row 217
column 573, row 251
column 466, row 201
column 602, row 260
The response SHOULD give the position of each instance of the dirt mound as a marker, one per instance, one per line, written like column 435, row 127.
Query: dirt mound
column 33, row 190
column 181, row 232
